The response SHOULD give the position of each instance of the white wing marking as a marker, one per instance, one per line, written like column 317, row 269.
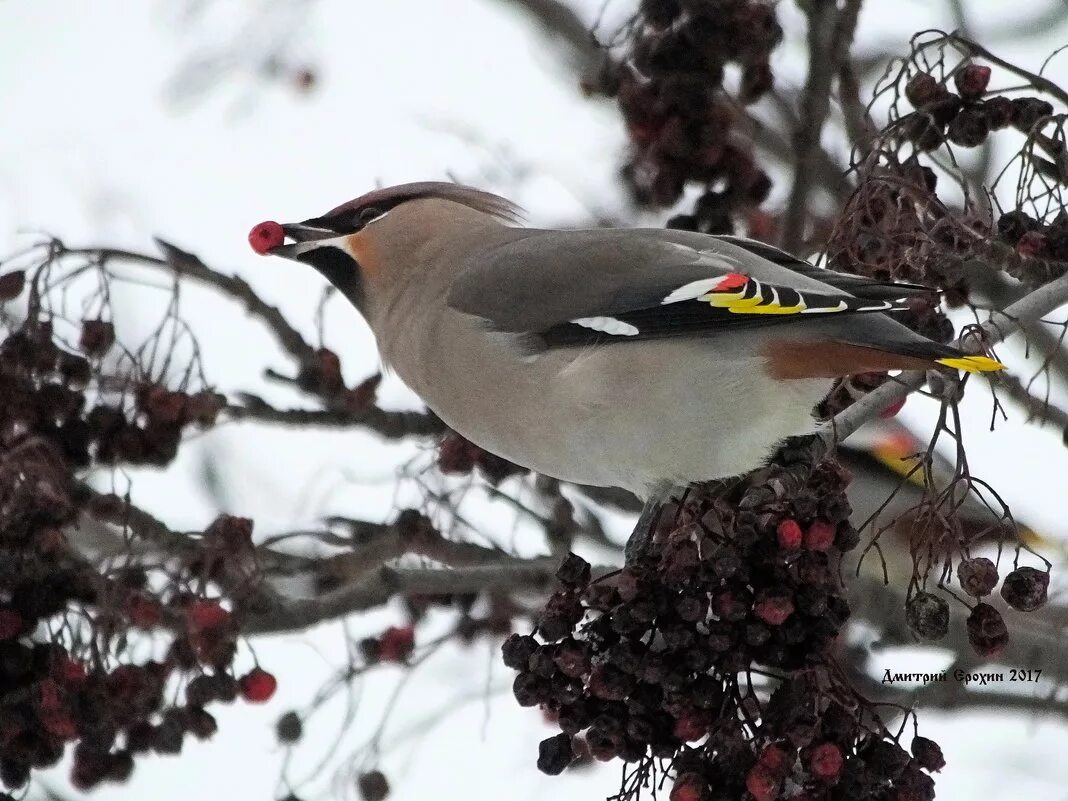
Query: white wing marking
column 608, row 325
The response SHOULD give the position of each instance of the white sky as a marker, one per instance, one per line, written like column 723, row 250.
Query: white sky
column 92, row 152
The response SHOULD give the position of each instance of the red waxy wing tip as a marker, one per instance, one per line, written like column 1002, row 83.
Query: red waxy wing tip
column 731, row 282
column 266, row 236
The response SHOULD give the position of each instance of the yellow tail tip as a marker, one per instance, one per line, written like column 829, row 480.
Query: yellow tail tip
column 973, row 364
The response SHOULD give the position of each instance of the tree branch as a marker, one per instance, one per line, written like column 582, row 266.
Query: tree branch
column 830, row 35
column 387, row 424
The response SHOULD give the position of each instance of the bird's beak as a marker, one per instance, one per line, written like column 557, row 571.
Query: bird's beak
column 306, row 238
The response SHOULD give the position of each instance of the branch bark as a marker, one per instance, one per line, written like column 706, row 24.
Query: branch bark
column 830, row 34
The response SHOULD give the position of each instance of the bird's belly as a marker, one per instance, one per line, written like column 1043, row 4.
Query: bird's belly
column 635, row 415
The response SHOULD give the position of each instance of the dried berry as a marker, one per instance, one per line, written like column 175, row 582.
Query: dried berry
column 97, row 337
column 574, row 572
column 517, row 650
column 1025, row 588
column 12, row 284
column 373, row 786
column 289, row 728
column 927, row 616
column 924, row 89
column 928, row 754
column 969, row 128
column 555, row 754
column 978, row 576
column 972, row 80
column 987, row 631
column 1026, row 111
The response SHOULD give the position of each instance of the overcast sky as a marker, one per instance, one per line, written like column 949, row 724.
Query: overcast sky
column 96, row 150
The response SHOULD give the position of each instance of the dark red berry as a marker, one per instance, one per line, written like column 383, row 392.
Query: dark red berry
column 987, row 631
column 11, row 624
column 687, row 787
column 825, row 762
column 819, row 536
column 774, row 609
column 207, row 615
column 972, row 80
column 1033, row 244
column 97, row 337
column 762, row 784
column 396, row 643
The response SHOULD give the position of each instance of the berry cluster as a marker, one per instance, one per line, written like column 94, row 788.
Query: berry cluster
column 654, row 661
column 1032, row 237
column 1024, row 589
column 55, row 695
column 321, row 375
column 43, row 387
column 458, row 455
column 965, row 117
column 678, row 113
column 63, row 622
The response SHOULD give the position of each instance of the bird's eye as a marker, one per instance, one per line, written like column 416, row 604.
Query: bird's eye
column 367, row 215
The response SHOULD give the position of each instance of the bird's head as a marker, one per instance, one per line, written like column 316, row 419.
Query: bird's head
column 358, row 244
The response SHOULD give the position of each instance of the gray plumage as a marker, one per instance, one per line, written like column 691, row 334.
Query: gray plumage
column 474, row 316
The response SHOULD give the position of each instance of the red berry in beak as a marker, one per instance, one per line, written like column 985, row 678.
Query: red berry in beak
column 266, row 236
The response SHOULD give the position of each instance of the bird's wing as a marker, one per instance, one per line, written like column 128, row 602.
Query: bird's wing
column 577, row 287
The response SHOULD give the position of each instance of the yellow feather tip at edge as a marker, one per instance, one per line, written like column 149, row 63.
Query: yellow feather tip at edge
column 973, row 364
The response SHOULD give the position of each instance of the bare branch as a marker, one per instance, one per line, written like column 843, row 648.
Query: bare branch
column 830, row 35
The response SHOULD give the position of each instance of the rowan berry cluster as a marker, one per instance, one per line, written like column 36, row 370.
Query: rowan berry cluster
column 651, row 661
column 679, row 113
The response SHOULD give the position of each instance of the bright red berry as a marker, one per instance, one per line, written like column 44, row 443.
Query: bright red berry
column 825, row 761
column 396, row 643
column 820, row 536
column 790, row 536
column 257, row 685
column 266, row 236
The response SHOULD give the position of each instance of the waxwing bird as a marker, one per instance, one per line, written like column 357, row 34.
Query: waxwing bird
column 635, row 358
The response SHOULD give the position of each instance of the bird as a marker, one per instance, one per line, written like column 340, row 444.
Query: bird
column 640, row 358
